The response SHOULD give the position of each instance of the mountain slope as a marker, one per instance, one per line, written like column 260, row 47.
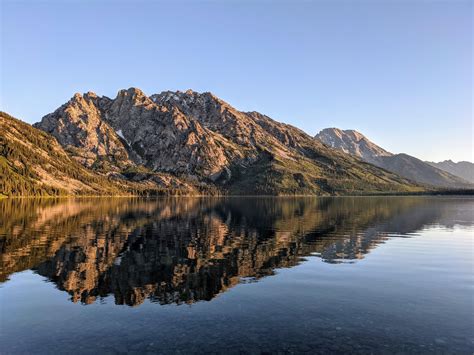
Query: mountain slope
column 355, row 143
column 463, row 169
column 33, row 163
column 200, row 137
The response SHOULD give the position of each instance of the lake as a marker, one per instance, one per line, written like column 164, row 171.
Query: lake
column 237, row 275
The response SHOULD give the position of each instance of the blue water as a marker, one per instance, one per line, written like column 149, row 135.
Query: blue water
column 238, row 275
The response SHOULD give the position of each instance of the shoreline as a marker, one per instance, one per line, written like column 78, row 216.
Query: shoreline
column 374, row 194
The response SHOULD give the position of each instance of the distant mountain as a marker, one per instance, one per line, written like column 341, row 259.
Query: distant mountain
column 463, row 169
column 205, row 141
column 352, row 142
column 355, row 143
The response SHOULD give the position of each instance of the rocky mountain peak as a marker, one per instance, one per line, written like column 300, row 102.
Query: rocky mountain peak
column 342, row 134
column 84, row 96
column 77, row 96
column 80, row 127
column 132, row 94
column 351, row 142
column 87, row 101
column 132, row 91
column 186, row 98
column 91, row 94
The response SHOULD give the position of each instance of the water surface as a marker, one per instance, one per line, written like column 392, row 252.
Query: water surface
column 252, row 275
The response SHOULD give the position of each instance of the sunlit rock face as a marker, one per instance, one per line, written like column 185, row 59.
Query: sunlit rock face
column 79, row 126
column 189, row 250
column 200, row 137
column 352, row 142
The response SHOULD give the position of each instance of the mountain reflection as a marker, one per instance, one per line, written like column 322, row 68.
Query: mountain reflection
column 184, row 250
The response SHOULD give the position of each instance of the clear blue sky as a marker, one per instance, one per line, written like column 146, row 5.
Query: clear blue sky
column 398, row 71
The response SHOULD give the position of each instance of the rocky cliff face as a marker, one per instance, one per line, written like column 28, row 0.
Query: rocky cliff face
column 204, row 139
column 80, row 127
column 355, row 143
column 131, row 130
column 33, row 163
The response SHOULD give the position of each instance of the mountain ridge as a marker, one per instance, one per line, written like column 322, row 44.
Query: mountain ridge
column 198, row 143
column 463, row 169
column 33, row 163
column 355, row 143
column 204, row 138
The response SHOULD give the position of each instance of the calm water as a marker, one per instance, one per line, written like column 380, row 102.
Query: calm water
column 237, row 275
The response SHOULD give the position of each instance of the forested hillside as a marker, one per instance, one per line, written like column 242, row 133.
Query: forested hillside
column 32, row 163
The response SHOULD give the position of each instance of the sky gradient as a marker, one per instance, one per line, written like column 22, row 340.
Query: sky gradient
column 398, row 71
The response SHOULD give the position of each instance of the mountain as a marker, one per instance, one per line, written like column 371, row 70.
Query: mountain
column 33, row 163
column 204, row 140
column 352, row 142
column 355, row 143
column 463, row 169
